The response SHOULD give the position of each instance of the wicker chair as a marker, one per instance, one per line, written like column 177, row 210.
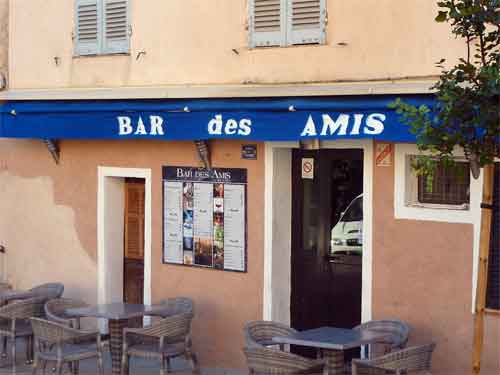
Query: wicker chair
column 177, row 305
column 397, row 339
column 49, row 290
column 14, row 323
column 59, row 343
column 167, row 338
column 268, row 361
column 5, row 286
column 261, row 333
column 55, row 311
column 416, row 359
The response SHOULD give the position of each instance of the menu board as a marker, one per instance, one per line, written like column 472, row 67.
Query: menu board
column 204, row 217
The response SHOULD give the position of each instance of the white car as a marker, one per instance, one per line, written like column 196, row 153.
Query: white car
column 347, row 234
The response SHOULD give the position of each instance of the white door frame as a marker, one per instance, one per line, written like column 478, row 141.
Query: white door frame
column 103, row 173
column 269, row 221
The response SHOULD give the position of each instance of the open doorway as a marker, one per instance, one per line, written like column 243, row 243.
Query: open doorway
column 124, row 236
column 327, row 222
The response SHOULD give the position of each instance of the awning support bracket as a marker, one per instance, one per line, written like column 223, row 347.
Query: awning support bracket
column 203, row 153
column 53, row 147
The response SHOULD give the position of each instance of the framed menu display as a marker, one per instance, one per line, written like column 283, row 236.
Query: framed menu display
column 204, row 217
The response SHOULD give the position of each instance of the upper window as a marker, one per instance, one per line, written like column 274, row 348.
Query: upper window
column 287, row 22
column 444, row 187
column 101, row 27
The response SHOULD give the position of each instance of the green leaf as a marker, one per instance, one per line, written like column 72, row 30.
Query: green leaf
column 441, row 17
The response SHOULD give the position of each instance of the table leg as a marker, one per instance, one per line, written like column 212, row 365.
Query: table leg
column 334, row 361
column 116, row 327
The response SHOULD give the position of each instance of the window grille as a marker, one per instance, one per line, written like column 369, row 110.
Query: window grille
column 446, row 185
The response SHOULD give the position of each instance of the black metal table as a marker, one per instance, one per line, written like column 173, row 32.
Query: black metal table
column 332, row 342
column 118, row 316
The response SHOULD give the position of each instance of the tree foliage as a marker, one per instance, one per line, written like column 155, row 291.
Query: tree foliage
column 467, row 113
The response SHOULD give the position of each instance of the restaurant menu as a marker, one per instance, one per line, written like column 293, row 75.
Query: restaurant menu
column 204, row 217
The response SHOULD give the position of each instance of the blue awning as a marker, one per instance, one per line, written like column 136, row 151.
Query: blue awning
column 257, row 119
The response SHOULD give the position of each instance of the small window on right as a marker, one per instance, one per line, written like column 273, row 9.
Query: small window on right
column 445, row 187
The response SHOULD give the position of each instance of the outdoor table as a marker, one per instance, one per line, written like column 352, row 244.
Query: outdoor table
column 332, row 342
column 118, row 315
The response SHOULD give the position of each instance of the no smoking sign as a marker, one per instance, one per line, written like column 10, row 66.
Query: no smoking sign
column 307, row 168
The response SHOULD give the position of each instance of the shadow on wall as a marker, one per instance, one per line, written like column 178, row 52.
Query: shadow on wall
column 41, row 241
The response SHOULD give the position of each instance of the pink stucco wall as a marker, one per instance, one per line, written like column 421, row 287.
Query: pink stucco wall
column 422, row 273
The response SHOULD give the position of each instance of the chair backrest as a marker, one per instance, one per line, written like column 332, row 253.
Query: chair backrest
column 55, row 310
column 267, row 361
column 49, row 290
column 173, row 328
column 23, row 309
column 50, row 332
column 398, row 331
column 177, row 305
column 412, row 359
column 261, row 332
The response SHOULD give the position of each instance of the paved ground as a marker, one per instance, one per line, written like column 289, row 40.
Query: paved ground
column 88, row 367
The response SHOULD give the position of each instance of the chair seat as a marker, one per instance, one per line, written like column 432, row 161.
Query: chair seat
column 70, row 352
column 152, row 350
column 23, row 328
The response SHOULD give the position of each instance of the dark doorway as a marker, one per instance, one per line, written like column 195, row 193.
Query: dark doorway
column 133, row 273
column 327, row 217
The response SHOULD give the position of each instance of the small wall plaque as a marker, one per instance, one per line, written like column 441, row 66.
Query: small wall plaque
column 249, row 152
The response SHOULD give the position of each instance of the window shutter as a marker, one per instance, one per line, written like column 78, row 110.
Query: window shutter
column 267, row 20
column 134, row 220
column 306, row 21
column 87, row 27
column 116, row 25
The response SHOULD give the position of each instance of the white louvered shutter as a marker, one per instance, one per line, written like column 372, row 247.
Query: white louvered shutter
column 115, row 26
column 306, row 21
column 267, row 20
column 87, row 27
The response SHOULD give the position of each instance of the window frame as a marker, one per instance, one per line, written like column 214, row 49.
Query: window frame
column 429, row 212
column 102, row 48
column 412, row 189
column 257, row 40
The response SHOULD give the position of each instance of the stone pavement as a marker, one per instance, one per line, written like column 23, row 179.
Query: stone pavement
column 89, row 367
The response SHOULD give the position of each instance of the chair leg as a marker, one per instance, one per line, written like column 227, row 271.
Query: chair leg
column 4, row 346
column 125, row 364
column 167, row 364
column 14, row 355
column 35, row 365
column 29, row 350
column 100, row 365
column 193, row 361
column 76, row 368
column 59, row 367
column 162, row 366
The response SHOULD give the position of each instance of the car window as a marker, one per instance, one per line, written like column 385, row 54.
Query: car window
column 355, row 211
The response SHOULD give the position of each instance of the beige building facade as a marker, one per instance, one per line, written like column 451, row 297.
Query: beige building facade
column 418, row 264
column 4, row 42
